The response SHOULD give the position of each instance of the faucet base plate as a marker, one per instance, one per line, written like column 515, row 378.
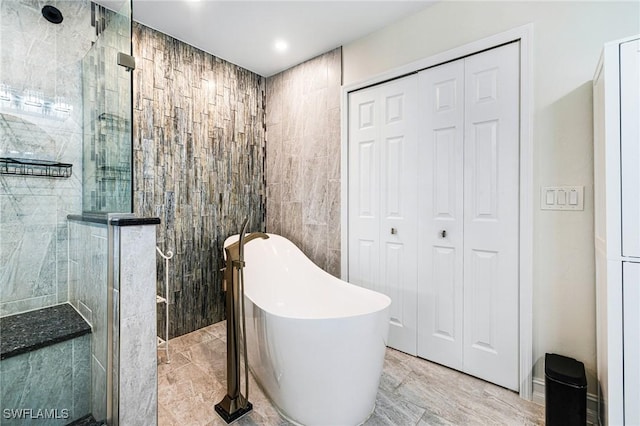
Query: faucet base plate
column 223, row 411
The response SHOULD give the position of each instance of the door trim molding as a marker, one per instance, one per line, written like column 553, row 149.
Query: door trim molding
column 524, row 34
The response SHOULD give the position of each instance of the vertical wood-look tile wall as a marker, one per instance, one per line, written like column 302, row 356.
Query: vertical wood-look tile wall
column 303, row 157
column 198, row 156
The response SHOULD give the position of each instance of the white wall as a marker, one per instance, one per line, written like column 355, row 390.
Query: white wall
column 568, row 37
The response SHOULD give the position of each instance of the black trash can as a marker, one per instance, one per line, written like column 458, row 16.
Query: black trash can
column 565, row 391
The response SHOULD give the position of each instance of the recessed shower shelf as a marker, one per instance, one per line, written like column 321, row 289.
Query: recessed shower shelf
column 33, row 167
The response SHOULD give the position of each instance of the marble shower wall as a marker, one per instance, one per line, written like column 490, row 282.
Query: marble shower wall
column 137, row 359
column 198, row 158
column 39, row 62
column 303, row 157
column 88, row 284
column 26, row 381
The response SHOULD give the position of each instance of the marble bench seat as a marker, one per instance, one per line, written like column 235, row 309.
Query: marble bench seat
column 26, row 332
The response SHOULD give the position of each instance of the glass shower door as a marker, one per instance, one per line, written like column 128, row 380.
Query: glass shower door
column 107, row 115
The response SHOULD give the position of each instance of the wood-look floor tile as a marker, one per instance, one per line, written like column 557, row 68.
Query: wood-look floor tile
column 182, row 343
column 217, row 330
column 390, row 410
column 211, row 357
column 177, row 360
column 165, row 418
column 412, row 391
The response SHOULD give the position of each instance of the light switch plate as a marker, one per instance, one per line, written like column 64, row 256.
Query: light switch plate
column 562, row 198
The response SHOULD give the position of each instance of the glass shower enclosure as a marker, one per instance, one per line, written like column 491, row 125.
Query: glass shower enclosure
column 65, row 164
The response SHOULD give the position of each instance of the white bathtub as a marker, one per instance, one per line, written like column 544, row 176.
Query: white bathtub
column 316, row 344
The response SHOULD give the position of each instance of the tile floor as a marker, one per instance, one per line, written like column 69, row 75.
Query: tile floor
column 412, row 391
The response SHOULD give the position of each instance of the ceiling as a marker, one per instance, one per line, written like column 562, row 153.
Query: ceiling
column 245, row 32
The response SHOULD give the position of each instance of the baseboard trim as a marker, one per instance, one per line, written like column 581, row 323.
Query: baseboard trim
column 592, row 401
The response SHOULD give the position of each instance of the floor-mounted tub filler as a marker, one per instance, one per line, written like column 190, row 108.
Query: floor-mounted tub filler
column 316, row 344
column 235, row 405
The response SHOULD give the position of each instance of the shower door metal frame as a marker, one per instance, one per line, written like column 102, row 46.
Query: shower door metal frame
column 113, row 322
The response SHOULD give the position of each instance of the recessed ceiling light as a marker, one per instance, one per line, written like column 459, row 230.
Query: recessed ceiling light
column 281, row 45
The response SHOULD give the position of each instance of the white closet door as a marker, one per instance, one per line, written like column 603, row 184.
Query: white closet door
column 629, row 137
column 491, row 199
column 440, row 222
column 398, row 235
column 631, row 301
column 383, row 206
column 364, row 188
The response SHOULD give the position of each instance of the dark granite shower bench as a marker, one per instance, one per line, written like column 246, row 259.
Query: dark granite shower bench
column 22, row 333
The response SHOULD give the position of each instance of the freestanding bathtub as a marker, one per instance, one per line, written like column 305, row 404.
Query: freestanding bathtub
column 316, row 344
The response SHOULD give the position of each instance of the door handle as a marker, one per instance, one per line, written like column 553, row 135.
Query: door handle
column 443, row 233
column 394, row 231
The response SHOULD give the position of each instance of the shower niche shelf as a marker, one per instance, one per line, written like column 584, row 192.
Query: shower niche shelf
column 33, row 167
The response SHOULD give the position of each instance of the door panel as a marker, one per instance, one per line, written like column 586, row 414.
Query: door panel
column 491, row 188
column 364, row 189
column 444, row 271
column 382, row 205
column 393, row 280
column 366, row 183
column 483, row 156
column 482, row 284
column 394, row 170
column 398, row 202
column 440, row 203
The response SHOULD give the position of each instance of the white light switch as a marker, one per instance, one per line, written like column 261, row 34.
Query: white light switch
column 573, row 197
column 562, row 198
column 551, row 198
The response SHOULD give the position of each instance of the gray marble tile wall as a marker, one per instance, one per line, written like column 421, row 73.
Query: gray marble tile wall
column 39, row 63
column 138, row 377
column 303, row 157
column 136, row 358
column 88, row 262
column 52, row 381
column 198, row 157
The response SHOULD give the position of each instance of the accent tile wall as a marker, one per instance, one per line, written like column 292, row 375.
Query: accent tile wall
column 303, row 157
column 198, row 158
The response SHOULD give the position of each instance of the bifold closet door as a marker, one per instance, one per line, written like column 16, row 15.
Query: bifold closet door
column 382, row 201
column 468, row 281
column 440, row 223
column 491, row 215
